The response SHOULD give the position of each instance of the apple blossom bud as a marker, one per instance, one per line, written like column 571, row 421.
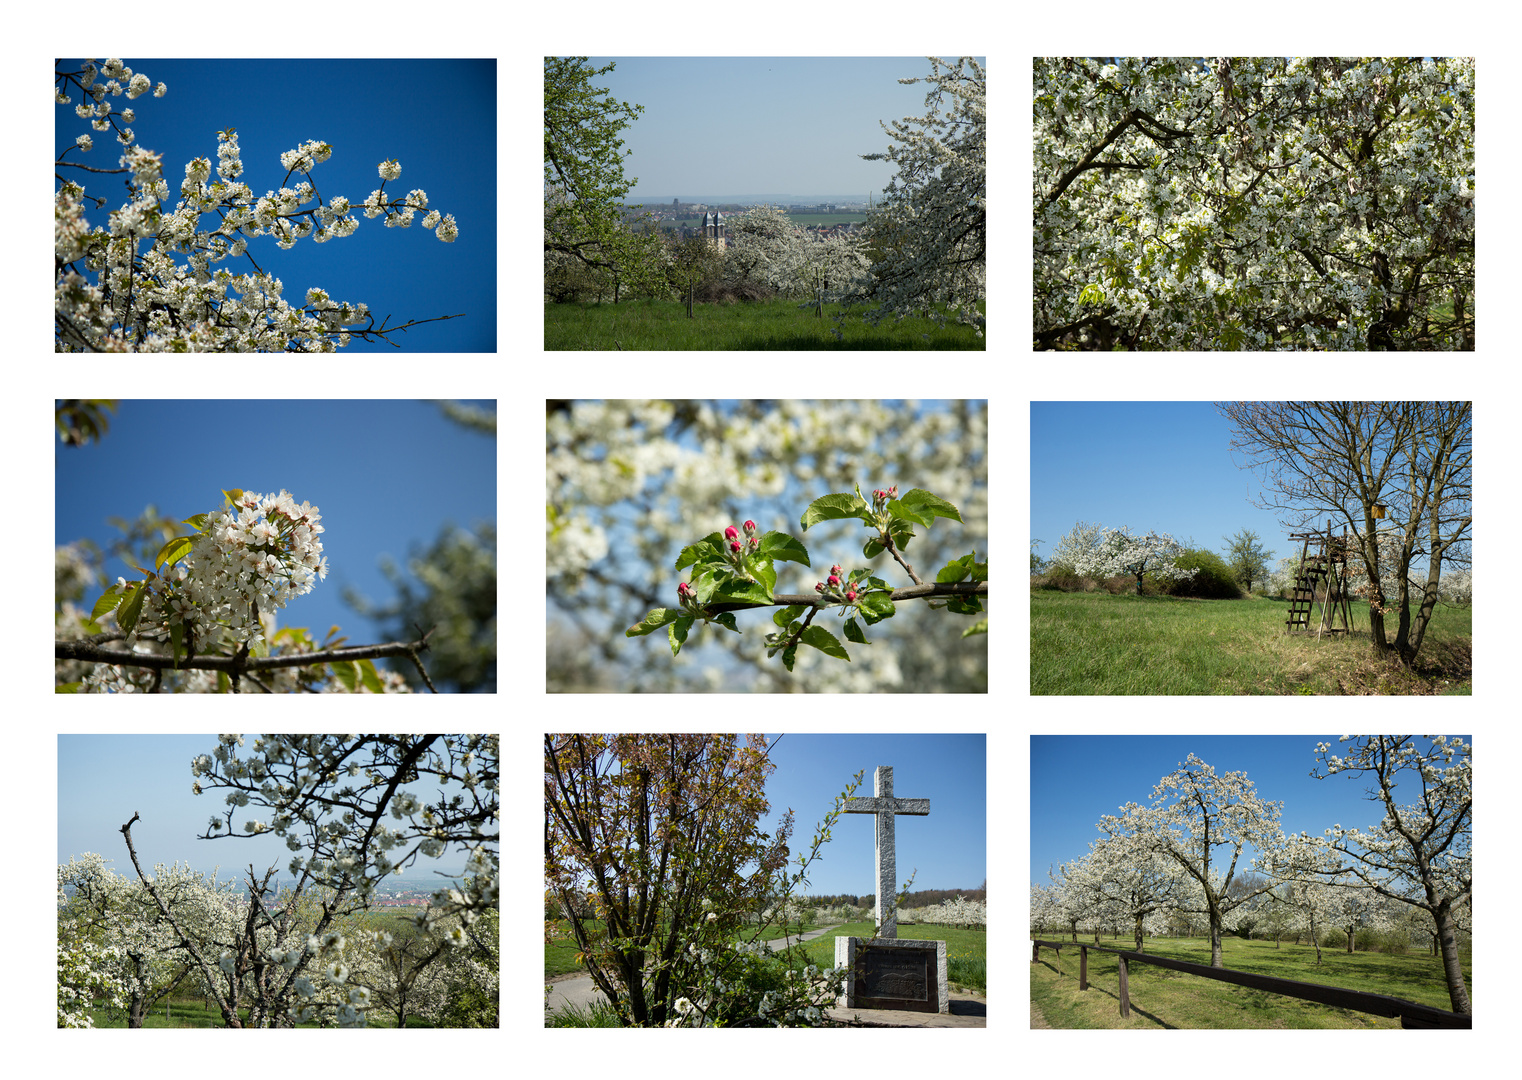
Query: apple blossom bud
column 750, row 528
column 834, row 569
column 734, row 545
column 819, row 588
column 731, row 533
column 834, row 580
column 851, row 595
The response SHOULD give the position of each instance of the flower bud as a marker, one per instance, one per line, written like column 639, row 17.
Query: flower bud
column 834, row 580
column 731, row 533
column 819, row 588
column 750, row 528
column 834, row 569
column 734, row 545
column 851, row 595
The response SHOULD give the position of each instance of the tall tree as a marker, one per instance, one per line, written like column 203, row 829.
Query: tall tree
column 1339, row 459
column 1248, row 558
column 1419, row 854
column 931, row 228
column 1193, row 812
column 584, row 174
column 653, row 853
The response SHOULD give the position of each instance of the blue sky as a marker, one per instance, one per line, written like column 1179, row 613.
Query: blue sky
column 738, row 125
column 948, row 847
column 438, row 118
column 1152, row 465
column 104, row 779
column 1075, row 779
column 385, row 475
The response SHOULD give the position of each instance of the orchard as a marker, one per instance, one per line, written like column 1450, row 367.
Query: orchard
column 310, row 952
column 1299, row 203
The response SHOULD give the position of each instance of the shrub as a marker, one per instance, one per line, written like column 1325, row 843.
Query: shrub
column 1212, row 580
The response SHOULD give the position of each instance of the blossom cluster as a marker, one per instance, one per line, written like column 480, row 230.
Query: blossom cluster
column 264, row 550
column 147, row 302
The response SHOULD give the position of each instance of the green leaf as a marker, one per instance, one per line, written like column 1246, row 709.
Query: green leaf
column 198, row 522
column 132, row 607
column 653, row 621
column 789, row 654
column 727, row 620
column 783, row 617
column 920, row 506
column 825, row 642
column 172, row 552
column 371, row 677
column 833, row 507
column 873, row 548
column 678, row 633
column 233, row 495
column 751, row 592
column 705, row 550
column 779, row 545
column 109, row 600
column 979, row 627
column 347, row 672
column 876, row 606
column 853, row 633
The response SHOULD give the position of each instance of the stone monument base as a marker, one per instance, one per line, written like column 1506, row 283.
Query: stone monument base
column 892, row 973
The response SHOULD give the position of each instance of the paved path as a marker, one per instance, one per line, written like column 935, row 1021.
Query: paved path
column 967, row 1009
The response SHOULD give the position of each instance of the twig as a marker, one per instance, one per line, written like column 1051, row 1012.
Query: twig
column 814, row 600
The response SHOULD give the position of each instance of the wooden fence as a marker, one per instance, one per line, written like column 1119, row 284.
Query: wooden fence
column 1411, row 1014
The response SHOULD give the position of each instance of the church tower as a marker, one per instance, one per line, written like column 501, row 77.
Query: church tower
column 714, row 228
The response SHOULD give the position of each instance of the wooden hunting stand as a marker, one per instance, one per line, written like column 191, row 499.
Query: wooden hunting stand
column 1323, row 579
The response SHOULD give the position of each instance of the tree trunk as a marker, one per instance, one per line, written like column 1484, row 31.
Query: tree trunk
column 1453, row 972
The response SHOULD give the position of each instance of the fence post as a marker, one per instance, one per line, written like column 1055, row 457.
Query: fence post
column 1083, row 967
column 1125, row 996
column 1035, row 951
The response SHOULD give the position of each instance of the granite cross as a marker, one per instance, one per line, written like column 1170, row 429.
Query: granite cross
column 884, row 806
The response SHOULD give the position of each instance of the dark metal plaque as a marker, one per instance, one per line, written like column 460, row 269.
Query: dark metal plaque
column 897, row 979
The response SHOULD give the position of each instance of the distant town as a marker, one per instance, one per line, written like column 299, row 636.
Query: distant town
column 684, row 220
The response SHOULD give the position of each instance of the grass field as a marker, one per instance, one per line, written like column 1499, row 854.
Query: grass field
column 760, row 325
column 1096, row 643
column 1161, row 998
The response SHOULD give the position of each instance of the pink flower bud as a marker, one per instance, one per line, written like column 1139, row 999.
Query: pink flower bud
column 731, row 533
column 834, row 569
column 819, row 588
column 851, row 595
column 750, row 528
column 734, row 545
column 834, row 580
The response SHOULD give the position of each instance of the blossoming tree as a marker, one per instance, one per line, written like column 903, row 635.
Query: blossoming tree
column 1269, row 202
column 1419, row 854
column 1193, row 812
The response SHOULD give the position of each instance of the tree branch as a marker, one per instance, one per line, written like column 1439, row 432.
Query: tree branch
column 242, row 664
column 814, row 600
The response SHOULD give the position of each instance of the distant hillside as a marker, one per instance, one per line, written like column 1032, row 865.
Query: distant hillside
column 783, row 200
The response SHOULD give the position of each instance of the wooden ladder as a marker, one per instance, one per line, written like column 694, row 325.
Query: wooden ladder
column 1307, row 582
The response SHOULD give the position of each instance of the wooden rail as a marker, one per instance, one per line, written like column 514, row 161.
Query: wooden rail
column 1411, row 1014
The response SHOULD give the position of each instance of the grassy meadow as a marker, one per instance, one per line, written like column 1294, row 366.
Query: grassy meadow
column 748, row 326
column 1161, row 998
column 1097, row 643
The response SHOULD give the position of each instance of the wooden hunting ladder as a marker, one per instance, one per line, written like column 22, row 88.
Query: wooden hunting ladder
column 1322, row 579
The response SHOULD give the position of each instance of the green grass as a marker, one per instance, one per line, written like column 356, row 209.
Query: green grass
column 1096, row 643
column 1161, row 998
column 761, row 325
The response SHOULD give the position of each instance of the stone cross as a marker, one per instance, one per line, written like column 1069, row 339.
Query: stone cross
column 884, row 806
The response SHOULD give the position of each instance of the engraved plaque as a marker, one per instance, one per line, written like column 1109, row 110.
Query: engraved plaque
column 899, row 978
